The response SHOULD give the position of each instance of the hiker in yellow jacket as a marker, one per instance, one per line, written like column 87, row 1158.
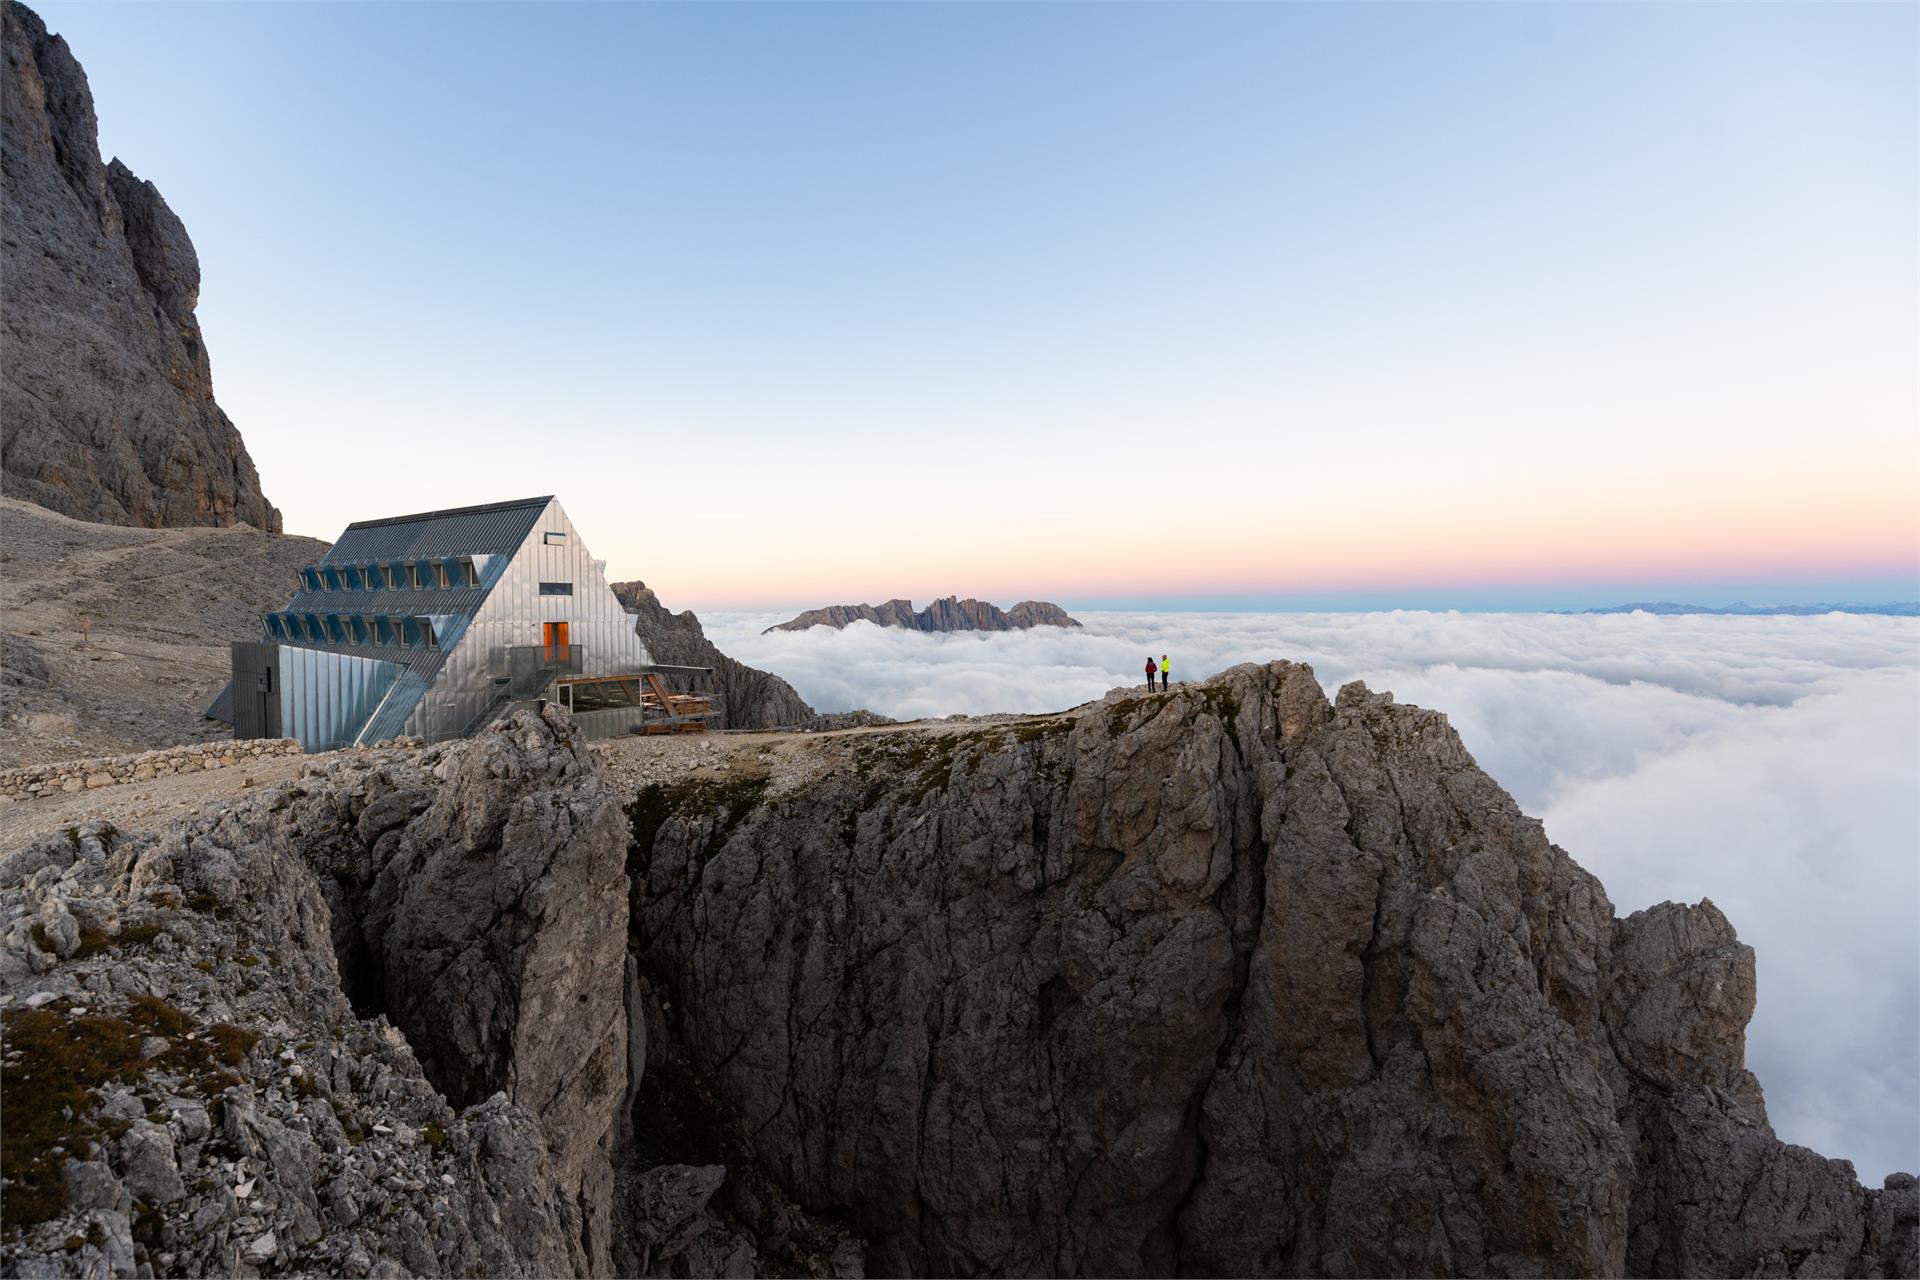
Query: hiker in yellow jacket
column 1165, row 667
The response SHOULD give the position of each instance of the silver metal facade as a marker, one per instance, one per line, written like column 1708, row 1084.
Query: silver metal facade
column 364, row 654
column 325, row 697
column 515, row 614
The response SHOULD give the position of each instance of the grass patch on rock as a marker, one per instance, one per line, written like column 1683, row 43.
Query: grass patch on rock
column 56, row 1064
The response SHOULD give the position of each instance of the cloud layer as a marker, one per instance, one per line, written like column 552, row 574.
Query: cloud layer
column 1768, row 763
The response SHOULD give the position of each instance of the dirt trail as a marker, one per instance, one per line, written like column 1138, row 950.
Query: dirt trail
column 785, row 756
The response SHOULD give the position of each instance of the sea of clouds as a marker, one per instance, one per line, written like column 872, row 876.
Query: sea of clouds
column 1771, row 764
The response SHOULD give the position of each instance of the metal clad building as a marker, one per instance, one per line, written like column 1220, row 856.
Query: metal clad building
column 430, row 625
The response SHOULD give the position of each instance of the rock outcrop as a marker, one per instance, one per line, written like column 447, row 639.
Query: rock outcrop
column 1232, row 980
column 749, row 698
column 105, row 383
column 181, row 996
column 1227, row 981
column 949, row 613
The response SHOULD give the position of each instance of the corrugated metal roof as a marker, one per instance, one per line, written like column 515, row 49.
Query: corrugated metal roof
column 464, row 601
column 498, row 528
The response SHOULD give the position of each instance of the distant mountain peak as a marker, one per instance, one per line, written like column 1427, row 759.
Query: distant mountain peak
column 949, row 613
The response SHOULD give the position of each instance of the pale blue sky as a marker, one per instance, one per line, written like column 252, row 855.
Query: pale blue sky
column 1483, row 304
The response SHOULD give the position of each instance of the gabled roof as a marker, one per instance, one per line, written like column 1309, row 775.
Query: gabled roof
column 497, row 528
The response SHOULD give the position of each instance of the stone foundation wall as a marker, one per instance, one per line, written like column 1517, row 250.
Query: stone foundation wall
column 105, row 771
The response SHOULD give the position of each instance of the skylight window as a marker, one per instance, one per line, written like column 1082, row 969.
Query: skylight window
column 556, row 588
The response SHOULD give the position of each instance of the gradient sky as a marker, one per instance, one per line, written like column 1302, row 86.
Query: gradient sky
column 1481, row 305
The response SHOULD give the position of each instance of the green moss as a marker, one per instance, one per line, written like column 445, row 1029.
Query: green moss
column 158, row 1016
column 1044, row 730
column 727, row 803
column 209, row 905
column 1219, row 699
column 246, row 962
column 231, row 1044
column 138, row 934
column 433, row 1134
column 645, row 816
column 50, row 1100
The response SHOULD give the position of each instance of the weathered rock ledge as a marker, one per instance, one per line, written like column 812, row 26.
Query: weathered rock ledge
column 190, row 1090
column 1227, row 981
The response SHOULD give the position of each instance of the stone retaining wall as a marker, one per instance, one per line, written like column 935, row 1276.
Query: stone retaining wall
column 105, row 771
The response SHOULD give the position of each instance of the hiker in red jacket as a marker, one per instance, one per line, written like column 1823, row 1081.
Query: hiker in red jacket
column 1153, row 669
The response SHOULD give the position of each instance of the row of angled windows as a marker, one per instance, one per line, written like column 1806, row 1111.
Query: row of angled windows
column 353, row 628
column 390, row 575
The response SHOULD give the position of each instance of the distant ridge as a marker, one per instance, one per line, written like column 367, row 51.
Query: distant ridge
column 1896, row 609
column 948, row 614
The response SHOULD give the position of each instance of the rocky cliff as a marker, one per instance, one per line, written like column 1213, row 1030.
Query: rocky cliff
column 1229, row 981
column 947, row 614
column 749, row 698
column 1233, row 980
column 105, row 384
column 371, row 1022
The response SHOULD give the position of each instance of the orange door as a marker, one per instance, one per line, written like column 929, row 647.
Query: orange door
column 556, row 641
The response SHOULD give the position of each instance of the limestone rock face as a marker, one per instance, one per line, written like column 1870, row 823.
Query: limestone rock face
column 231, row 1114
column 478, row 897
column 1228, row 981
column 949, row 613
column 105, row 384
column 749, row 698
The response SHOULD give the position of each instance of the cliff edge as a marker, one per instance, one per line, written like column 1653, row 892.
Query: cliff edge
column 1229, row 981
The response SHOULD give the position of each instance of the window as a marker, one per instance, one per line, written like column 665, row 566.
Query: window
column 349, row 578
column 328, row 579
column 553, row 539
column 336, row 634
column 313, row 629
column 427, row 638
column 556, row 588
column 357, row 625
column 310, row 579
column 387, row 579
column 471, row 578
column 603, row 695
column 382, row 631
column 273, row 627
column 413, row 576
column 440, row 575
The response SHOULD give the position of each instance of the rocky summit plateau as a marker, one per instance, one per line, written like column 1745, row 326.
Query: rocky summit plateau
column 950, row 613
column 1232, row 980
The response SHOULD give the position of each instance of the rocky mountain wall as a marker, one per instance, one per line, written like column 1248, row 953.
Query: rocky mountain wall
column 105, row 384
column 749, row 698
column 1233, row 980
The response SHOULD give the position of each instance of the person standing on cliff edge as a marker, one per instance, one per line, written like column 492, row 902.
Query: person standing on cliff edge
column 1166, row 668
column 1151, row 668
